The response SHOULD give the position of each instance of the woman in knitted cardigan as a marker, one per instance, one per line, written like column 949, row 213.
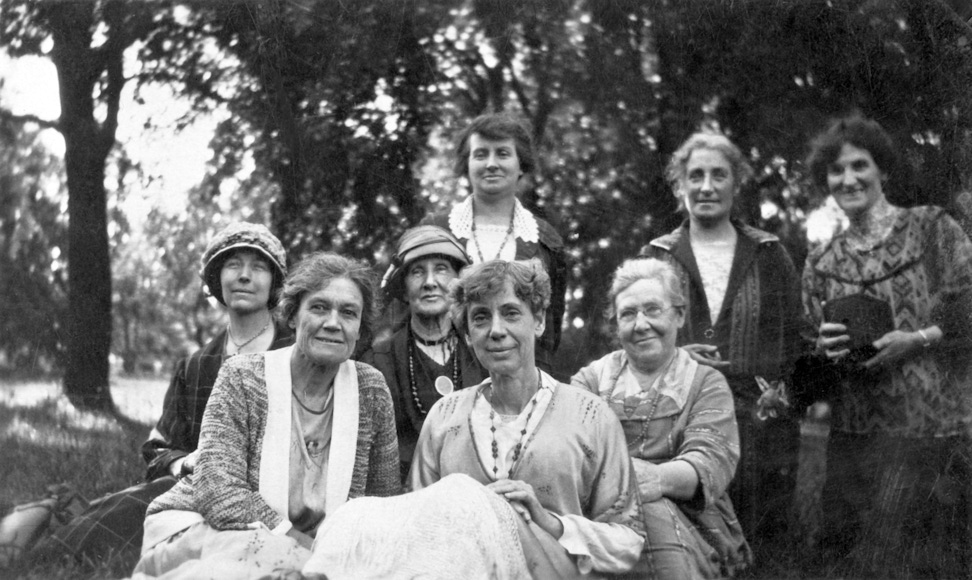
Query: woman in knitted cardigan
column 288, row 437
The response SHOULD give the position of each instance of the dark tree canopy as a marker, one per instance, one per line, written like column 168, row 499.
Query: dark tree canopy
column 347, row 108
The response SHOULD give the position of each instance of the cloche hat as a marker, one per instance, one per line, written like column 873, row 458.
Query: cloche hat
column 239, row 235
column 422, row 242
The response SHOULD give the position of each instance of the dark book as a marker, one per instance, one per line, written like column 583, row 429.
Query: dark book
column 866, row 318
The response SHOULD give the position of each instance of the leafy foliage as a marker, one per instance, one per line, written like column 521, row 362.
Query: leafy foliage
column 340, row 117
column 33, row 237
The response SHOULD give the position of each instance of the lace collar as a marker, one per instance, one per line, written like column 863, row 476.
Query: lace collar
column 524, row 224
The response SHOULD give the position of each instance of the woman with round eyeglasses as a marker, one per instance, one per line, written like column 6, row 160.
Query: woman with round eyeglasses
column 680, row 426
column 891, row 297
column 742, row 317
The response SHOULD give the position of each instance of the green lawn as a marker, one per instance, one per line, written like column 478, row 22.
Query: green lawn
column 44, row 440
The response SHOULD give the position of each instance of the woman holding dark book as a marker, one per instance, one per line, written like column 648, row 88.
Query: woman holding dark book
column 891, row 297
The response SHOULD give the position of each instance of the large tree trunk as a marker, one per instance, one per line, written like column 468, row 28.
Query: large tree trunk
column 87, row 144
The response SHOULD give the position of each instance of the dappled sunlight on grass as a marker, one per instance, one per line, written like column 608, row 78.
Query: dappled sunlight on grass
column 44, row 440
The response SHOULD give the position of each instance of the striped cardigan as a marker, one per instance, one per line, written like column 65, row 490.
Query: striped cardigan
column 224, row 489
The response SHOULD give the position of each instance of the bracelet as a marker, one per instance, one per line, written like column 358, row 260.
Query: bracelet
column 924, row 337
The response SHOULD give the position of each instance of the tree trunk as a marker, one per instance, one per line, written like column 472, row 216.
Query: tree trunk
column 87, row 144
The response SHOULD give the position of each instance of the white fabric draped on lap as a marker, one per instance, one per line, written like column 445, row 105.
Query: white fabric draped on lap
column 455, row 528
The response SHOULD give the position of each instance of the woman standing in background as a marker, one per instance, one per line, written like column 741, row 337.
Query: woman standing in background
column 494, row 152
column 899, row 474
column 742, row 317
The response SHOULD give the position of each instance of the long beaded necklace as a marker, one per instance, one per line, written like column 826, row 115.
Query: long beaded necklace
column 239, row 345
column 506, row 238
column 523, row 432
column 651, row 410
column 456, row 376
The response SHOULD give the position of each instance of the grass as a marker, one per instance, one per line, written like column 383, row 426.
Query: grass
column 47, row 441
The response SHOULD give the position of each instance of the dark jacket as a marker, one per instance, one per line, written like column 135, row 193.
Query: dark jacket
column 390, row 356
column 177, row 432
column 759, row 328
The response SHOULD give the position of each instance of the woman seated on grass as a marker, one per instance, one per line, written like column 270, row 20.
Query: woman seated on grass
column 518, row 477
column 680, row 425
column 287, row 437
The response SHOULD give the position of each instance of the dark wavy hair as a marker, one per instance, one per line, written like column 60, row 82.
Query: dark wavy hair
column 318, row 270
column 855, row 130
column 480, row 282
column 495, row 127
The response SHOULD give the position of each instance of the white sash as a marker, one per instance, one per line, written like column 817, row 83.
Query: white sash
column 275, row 455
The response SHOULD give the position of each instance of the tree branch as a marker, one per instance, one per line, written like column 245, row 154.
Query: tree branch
column 22, row 119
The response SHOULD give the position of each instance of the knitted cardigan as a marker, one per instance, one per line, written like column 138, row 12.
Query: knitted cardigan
column 224, row 487
column 177, row 432
column 760, row 325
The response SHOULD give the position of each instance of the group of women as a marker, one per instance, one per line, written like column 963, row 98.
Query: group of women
column 640, row 465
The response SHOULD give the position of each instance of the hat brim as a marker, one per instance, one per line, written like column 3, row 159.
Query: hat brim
column 394, row 286
column 210, row 272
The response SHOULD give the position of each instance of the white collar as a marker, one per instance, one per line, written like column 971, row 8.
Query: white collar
column 524, row 223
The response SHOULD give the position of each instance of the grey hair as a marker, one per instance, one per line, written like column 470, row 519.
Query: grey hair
column 676, row 170
column 638, row 269
column 479, row 282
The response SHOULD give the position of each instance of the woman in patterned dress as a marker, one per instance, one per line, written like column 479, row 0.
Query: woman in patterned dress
column 680, row 426
column 896, row 498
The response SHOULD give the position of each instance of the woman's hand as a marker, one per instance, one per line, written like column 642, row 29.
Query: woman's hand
column 184, row 465
column 524, row 501
column 649, row 480
column 832, row 339
column 894, row 346
column 706, row 354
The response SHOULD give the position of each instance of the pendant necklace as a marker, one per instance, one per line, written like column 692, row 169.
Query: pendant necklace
column 506, row 238
column 239, row 345
column 443, row 385
column 523, row 432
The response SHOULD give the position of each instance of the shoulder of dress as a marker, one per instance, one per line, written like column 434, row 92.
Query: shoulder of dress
column 549, row 236
column 668, row 241
column 757, row 235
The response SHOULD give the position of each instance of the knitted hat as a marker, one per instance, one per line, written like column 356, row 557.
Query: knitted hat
column 237, row 236
column 422, row 242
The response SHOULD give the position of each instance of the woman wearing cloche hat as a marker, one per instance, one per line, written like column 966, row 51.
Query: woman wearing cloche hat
column 425, row 359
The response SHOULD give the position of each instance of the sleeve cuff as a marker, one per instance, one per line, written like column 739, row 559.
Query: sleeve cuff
column 282, row 528
column 574, row 542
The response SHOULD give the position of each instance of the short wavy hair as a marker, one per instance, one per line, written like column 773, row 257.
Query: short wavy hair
column 318, row 270
column 855, row 130
column 638, row 269
column 480, row 282
column 496, row 127
column 676, row 171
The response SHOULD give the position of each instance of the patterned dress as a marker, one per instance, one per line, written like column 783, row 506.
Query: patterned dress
column 898, row 463
column 758, row 330
column 686, row 415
